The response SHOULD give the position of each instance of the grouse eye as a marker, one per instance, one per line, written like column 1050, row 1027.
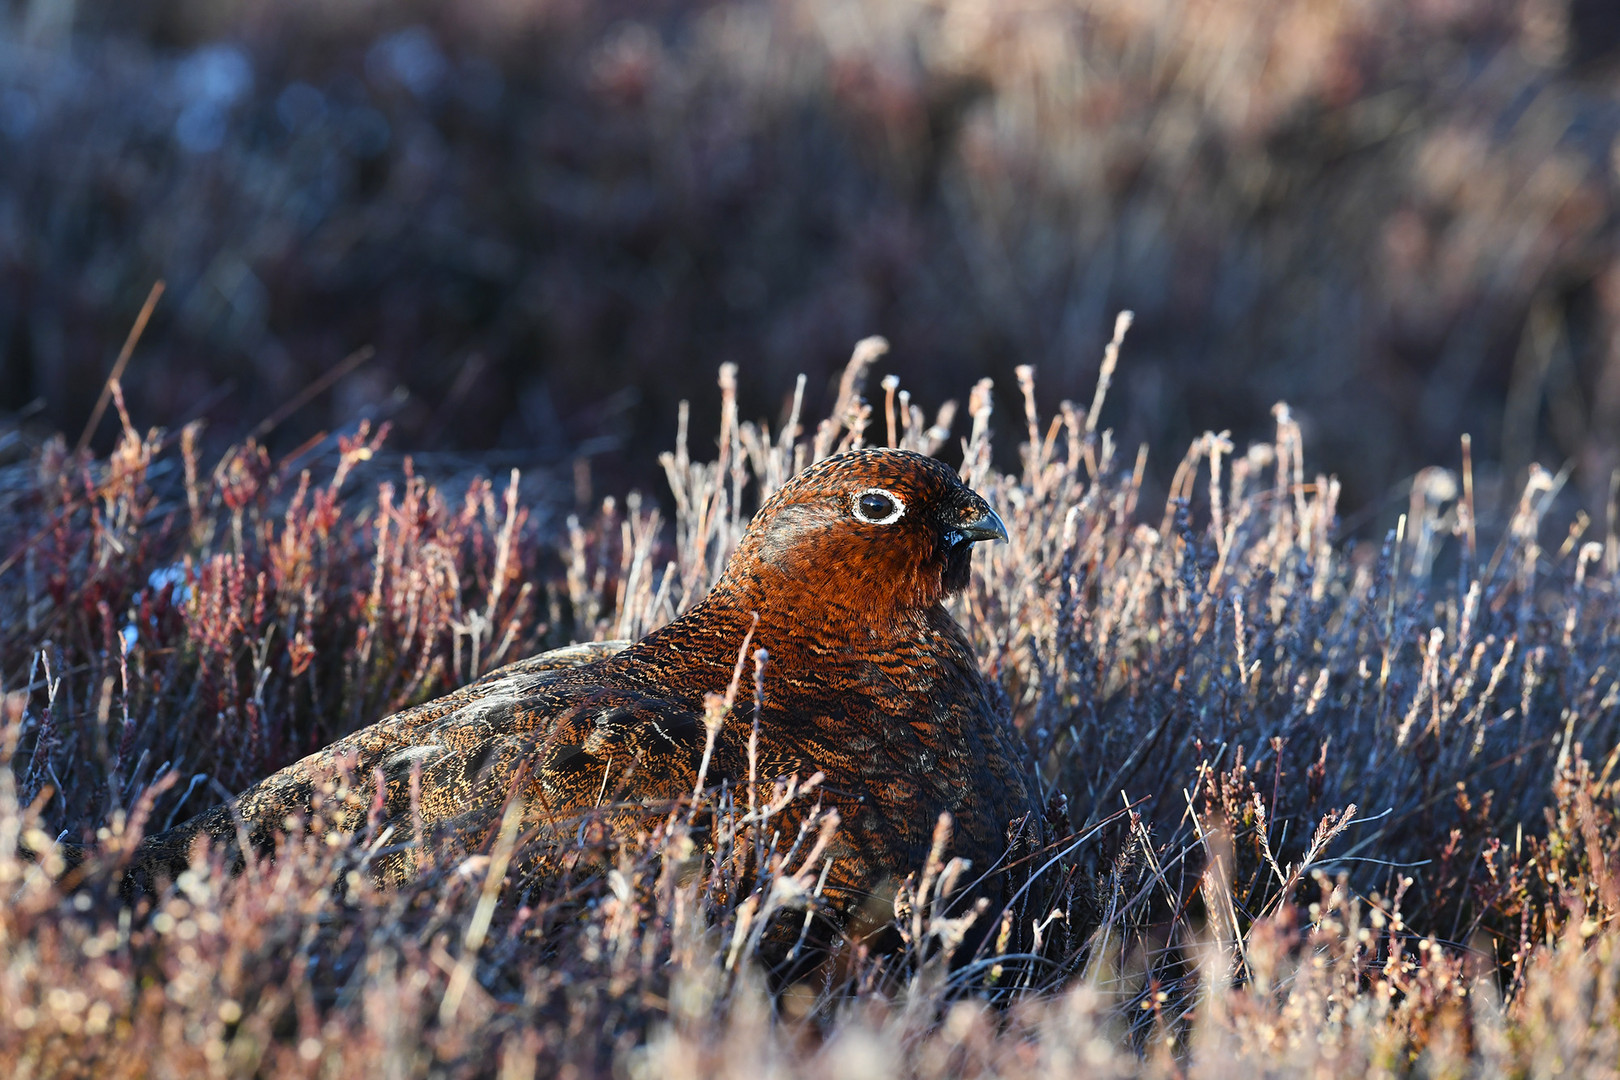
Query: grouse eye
column 878, row 507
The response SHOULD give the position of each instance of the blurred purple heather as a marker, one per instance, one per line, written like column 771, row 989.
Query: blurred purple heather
column 553, row 219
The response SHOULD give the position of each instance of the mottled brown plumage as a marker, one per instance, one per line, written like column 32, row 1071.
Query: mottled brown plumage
column 869, row 681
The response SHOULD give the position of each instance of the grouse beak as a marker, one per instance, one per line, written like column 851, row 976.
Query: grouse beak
column 988, row 527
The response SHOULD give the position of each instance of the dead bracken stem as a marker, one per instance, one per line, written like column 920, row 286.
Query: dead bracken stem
column 111, row 386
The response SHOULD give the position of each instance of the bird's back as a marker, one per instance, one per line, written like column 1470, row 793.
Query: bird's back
column 447, row 767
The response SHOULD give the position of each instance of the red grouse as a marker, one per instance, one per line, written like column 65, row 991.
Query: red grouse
column 840, row 578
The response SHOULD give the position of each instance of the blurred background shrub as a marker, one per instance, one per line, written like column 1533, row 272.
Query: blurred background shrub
column 555, row 218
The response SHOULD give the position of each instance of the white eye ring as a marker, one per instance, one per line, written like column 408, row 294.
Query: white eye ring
column 889, row 519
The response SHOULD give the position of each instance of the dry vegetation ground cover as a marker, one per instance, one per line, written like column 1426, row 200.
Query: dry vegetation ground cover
column 1341, row 813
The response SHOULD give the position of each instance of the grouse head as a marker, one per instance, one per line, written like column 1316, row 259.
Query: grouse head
column 873, row 531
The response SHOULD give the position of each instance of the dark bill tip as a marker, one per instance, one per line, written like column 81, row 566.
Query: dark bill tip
column 988, row 527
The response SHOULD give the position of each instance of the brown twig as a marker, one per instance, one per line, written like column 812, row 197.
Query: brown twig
column 118, row 365
column 313, row 390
